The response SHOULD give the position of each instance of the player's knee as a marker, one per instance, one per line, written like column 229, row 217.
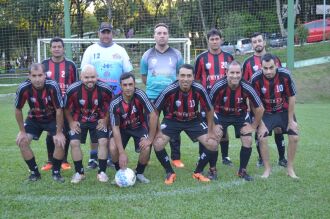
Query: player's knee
column 212, row 145
column 293, row 138
column 158, row 143
column 74, row 144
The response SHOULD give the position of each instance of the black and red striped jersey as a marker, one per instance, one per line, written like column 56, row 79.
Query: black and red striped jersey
column 210, row 68
column 253, row 64
column 42, row 102
column 274, row 92
column 88, row 105
column 228, row 102
column 64, row 73
column 183, row 106
column 133, row 114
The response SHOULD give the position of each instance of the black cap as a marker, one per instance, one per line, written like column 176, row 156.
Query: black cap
column 105, row 26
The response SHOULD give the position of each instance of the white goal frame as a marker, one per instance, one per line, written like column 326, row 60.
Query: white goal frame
column 42, row 44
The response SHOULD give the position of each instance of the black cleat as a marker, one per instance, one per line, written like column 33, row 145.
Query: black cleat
column 226, row 161
column 34, row 177
column 58, row 178
column 92, row 164
column 243, row 174
column 212, row 174
column 283, row 162
column 260, row 163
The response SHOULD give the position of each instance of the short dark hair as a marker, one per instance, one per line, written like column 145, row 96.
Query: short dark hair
column 161, row 25
column 56, row 39
column 186, row 66
column 255, row 34
column 267, row 57
column 36, row 66
column 126, row 76
column 212, row 32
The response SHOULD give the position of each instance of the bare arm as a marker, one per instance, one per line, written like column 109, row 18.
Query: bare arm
column 144, row 79
column 123, row 160
column 292, row 125
column 19, row 119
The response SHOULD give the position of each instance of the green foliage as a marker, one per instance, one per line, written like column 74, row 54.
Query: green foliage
column 301, row 34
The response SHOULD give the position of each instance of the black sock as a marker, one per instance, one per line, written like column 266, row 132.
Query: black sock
column 244, row 157
column 78, row 166
column 224, row 148
column 56, row 166
column 33, row 166
column 140, row 168
column 117, row 167
column 206, row 156
column 213, row 160
column 175, row 148
column 258, row 149
column 279, row 140
column 66, row 150
column 102, row 165
column 50, row 147
column 93, row 154
column 164, row 160
column 200, row 149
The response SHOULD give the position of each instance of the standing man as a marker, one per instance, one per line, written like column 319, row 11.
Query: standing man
column 128, row 112
column 64, row 72
column 229, row 97
column 110, row 61
column 86, row 109
column 180, row 103
column 210, row 66
column 250, row 66
column 277, row 91
column 46, row 114
column 158, row 67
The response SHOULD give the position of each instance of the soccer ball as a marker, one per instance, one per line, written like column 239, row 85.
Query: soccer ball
column 125, row 178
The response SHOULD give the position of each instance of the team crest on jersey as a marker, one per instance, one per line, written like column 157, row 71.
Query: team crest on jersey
column 96, row 102
column 224, row 99
column 124, row 116
column 82, row 102
column 263, row 90
column 208, row 65
column 134, row 110
column 49, row 74
column 33, row 100
column 178, row 103
column 239, row 100
column 154, row 61
column 163, row 126
column 255, row 68
column 116, row 56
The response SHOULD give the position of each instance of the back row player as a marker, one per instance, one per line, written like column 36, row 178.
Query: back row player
column 250, row 66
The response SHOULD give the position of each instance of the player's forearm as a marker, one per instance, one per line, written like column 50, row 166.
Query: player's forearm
column 153, row 122
column 258, row 113
column 19, row 119
column 117, row 138
column 292, row 102
column 59, row 120
column 210, row 119
column 68, row 116
column 144, row 79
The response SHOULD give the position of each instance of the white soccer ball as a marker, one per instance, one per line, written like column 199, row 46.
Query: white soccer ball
column 125, row 178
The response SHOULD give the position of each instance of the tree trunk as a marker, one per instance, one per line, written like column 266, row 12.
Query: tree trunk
column 202, row 19
column 279, row 17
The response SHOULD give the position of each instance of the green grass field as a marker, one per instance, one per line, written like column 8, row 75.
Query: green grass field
column 229, row 197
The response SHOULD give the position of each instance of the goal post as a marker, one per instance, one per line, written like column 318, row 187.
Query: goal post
column 135, row 47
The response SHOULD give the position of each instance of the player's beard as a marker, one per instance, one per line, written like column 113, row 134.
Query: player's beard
column 259, row 49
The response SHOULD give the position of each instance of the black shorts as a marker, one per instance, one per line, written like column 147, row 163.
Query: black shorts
column 193, row 128
column 280, row 120
column 93, row 132
column 136, row 133
column 215, row 119
column 236, row 121
column 35, row 128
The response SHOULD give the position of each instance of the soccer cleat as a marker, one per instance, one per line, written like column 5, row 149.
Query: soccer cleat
column 110, row 163
column 58, row 178
column 260, row 163
column 141, row 178
column 65, row 166
column 48, row 166
column 92, row 164
column 226, row 161
column 243, row 174
column 170, row 178
column 200, row 177
column 283, row 162
column 102, row 177
column 212, row 174
column 178, row 163
column 77, row 177
column 34, row 177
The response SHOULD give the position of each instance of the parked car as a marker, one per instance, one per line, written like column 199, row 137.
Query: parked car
column 243, row 46
column 276, row 40
column 315, row 30
column 228, row 47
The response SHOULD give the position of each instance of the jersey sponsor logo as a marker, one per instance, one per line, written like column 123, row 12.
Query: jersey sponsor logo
column 49, row 74
column 213, row 77
column 124, row 116
column 82, row 102
column 224, row 99
column 163, row 126
column 208, row 65
column 255, row 68
column 33, row 100
column 263, row 90
column 239, row 100
column 178, row 103
column 154, row 61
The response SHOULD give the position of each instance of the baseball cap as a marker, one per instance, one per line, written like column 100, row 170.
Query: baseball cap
column 105, row 26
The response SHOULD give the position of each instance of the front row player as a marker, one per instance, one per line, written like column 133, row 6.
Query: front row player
column 277, row 92
column 180, row 104
column 46, row 114
column 86, row 109
column 127, row 113
column 229, row 97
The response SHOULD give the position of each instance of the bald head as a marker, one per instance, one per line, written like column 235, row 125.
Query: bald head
column 88, row 76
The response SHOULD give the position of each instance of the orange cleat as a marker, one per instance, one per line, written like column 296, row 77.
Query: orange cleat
column 200, row 177
column 66, row 166
column 48, row 166
column 178, row 163
column 170, row 178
